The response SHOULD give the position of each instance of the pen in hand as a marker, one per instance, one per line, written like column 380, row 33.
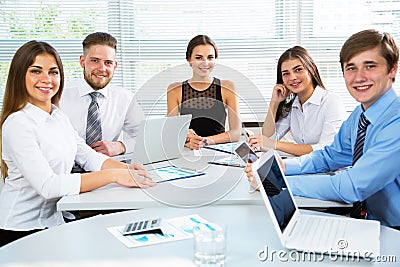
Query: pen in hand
column 194, row 141
column 204, row 140
column 246, row 132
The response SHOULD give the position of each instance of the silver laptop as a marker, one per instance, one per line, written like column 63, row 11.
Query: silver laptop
column 310, row 232
column 160, row 139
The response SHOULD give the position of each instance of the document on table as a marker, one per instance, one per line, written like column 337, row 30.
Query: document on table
column 170, row 173
column 226, row 148
column 174, row 229
column 232, row 160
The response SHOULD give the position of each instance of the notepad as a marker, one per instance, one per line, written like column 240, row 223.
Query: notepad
column 170, row 173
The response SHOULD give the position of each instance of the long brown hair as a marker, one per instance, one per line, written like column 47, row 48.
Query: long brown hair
column 302, row 54
column 15, row 93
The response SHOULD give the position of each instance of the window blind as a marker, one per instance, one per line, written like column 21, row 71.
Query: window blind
column 152, row 37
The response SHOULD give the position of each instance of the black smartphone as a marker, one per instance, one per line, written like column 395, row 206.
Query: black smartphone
column 245, row 152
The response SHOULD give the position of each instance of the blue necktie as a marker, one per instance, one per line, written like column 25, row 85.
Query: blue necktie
column 93, row 126
column 358, row 210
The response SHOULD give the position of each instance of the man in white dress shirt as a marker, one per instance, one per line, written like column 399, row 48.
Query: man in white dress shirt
column 118, row 109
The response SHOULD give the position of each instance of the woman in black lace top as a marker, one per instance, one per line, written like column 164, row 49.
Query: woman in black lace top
column 207, row 98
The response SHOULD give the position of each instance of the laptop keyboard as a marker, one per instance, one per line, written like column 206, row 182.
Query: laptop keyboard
column 320, row 231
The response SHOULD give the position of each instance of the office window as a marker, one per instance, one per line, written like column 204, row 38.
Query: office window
column 153, row 36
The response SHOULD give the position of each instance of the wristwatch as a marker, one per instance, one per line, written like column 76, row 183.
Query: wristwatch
column 205, row 141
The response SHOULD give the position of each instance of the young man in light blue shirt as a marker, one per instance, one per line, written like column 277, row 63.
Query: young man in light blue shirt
column 369, row 61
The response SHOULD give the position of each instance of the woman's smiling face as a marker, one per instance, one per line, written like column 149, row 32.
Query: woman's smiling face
column 43, row 81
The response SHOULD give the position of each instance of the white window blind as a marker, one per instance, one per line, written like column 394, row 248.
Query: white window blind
column 152, row 36
column 327, row 25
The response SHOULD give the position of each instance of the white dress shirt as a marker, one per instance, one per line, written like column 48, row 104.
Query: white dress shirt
column 119, row 111
column 316, row 122
column 39, row 150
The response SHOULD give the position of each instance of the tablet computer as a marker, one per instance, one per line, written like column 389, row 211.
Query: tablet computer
column 246, row 153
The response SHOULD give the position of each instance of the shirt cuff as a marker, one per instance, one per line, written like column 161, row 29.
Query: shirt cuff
column 317, row 147
column 72, row 185
column 96, row 161
column 128, row 141
column 292, row 166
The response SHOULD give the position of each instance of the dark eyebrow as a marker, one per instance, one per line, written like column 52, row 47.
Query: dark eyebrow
column 197, row 55
column 105, row 60
column 33, row 66
column 40, row 67
column 349, row 64
column 370, row 62
column 364, row 63
column 295, row 67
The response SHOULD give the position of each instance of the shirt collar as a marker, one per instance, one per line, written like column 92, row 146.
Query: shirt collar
column 38, row 114
column 85, row 89
column 374, row 112
column 315, row 98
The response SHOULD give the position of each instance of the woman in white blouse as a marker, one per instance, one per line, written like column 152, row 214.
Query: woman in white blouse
column 39, row 146
column 299, row 104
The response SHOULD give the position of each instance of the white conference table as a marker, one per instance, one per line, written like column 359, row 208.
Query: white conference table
column 88, row 243
column 221, row 185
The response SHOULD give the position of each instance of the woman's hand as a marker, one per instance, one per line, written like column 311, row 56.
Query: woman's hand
column 133, row 178
column 194, row 141
column 261, row 142
column 280, row 93
column 137, row 166
column 255, row 141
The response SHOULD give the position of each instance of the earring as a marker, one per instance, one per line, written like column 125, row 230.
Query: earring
column 190, row 64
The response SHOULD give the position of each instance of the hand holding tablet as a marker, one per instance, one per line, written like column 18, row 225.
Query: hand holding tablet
column 245, row 152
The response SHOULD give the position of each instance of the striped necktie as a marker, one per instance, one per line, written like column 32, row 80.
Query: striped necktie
column 93, row 126
column 358, row 210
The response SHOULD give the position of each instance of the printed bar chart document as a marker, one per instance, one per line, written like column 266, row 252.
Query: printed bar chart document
column 174, row 229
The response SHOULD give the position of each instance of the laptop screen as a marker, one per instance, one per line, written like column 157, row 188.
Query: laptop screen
column 276, row 189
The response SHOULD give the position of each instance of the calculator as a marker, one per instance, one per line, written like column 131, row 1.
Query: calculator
column 143, row 227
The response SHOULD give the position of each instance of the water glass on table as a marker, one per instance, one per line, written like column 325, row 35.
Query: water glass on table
column 209, row 245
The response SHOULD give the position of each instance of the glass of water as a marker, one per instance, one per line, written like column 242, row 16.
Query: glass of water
column 209, row 245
